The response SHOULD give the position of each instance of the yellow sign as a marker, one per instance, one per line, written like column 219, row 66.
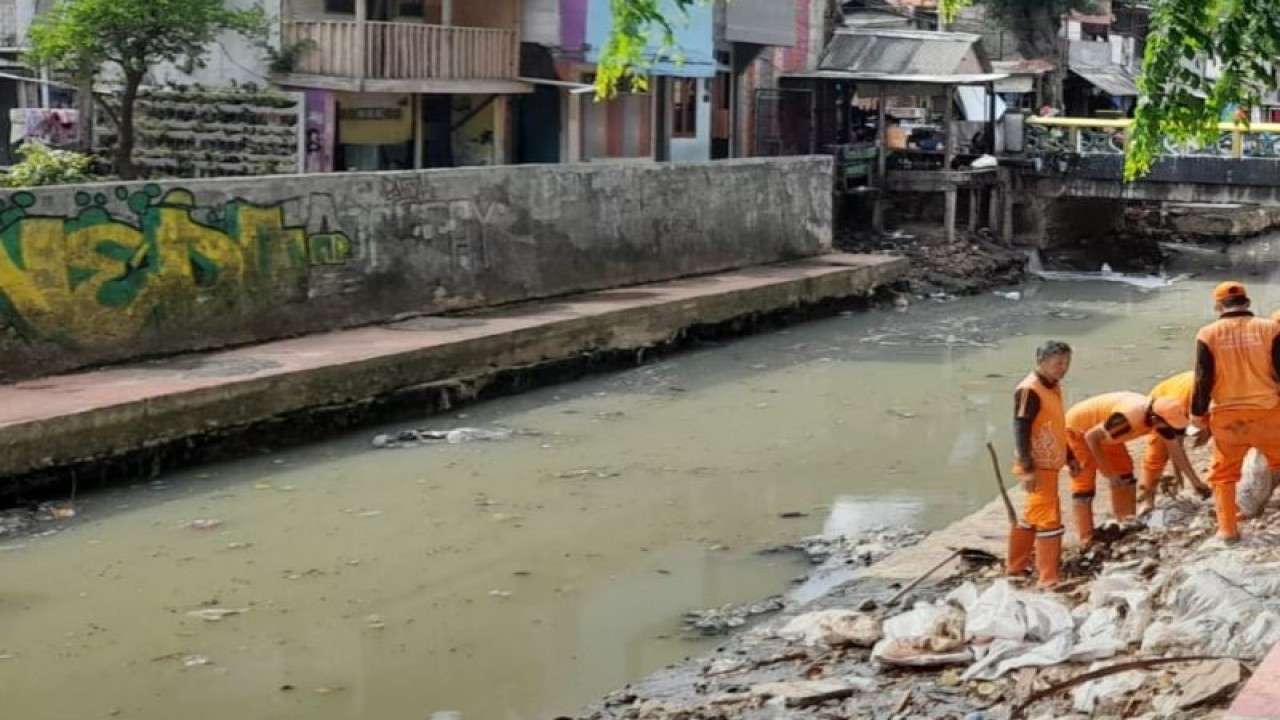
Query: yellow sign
column 374, row 119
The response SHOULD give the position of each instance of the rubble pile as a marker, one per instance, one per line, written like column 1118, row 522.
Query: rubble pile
column 1157, row 620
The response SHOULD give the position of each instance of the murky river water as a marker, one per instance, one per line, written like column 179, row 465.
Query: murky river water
column 522, row 579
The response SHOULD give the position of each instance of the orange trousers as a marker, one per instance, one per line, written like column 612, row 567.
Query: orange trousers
column 1084, row 484
column 1042, row 511
column 1234, row 432
column 1156, row 458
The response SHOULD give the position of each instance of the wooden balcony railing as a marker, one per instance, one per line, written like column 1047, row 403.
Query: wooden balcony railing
column 403, row 51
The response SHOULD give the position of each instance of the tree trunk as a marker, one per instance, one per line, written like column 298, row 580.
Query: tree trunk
column 84, row 113
column 124, row 131
column 1036, row 25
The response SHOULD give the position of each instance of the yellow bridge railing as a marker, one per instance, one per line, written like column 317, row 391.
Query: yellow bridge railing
column 1099, row 136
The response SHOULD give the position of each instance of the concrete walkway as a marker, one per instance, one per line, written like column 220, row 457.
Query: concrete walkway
column 61, row 420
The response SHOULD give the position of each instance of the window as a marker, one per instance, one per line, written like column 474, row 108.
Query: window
column 684, row 105
column 340, row 7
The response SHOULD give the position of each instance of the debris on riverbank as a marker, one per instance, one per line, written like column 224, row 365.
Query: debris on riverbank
column 1158, row 620
column 24, row 521
column 457, row 436
column 970, row 264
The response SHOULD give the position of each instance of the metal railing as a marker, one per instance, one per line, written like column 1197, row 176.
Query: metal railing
column 1092, row 136
column 403, row 51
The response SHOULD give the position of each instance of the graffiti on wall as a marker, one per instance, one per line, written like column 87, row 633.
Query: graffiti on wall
column 116, row 265
column 460, row 229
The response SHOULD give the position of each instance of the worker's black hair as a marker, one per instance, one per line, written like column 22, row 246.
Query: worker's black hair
column 1235, row 301
column 1052, row 348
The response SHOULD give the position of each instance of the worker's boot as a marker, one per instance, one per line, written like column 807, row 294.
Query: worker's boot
column 1022, row 541
column 1124, row 498
column 1048, row 557
column 1082, row 513
column 1224, row 502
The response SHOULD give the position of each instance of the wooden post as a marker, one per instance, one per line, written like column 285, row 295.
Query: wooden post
column 951, row 213
column 948, row 95
column 362, row 38
column 882, row 158
column 882, row 165
column 991, row 116
column 1006, row 207
column 419, row 139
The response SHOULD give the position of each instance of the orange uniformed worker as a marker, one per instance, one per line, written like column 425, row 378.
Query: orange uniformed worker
column 1160, row 448
column 1237, row 364
column 1097, row 430
column 1040, row 437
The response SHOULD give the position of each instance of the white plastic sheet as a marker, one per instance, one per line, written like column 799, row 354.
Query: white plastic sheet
column 833, row 627
column 1256, row 485
column 1085, row 698
column 1221, row 606
column 925, row 636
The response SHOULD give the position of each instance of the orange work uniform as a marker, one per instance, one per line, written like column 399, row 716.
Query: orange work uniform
column 1179, row 388
column 1040, row 434
column 1124, row 416
column 1237, row 366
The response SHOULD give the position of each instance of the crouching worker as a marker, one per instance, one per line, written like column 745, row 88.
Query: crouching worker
column 1040, row 438
column 1097, row 430
column 1161, row 449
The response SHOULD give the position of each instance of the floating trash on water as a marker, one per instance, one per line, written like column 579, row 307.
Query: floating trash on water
column 215, row 614
column 500, row 593
column 196, row 661
column 1011, row 295
column 374, row 622
column 204, row 524
column 457, row 436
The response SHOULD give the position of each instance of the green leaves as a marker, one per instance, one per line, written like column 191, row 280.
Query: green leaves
column 42, row 166
column 1177, row 100
column 625, row 52
column 76, row 35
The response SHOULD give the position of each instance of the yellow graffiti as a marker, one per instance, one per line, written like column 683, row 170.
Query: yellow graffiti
column 96, row 278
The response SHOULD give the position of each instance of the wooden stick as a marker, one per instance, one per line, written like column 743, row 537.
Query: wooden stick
column 923, row 577
column 1004, row 493
column 1104, row 672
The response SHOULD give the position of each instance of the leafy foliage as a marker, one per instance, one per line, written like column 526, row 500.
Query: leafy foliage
column 1176, row 100
column 44, row 166
column 78, row 38
column 624, row 52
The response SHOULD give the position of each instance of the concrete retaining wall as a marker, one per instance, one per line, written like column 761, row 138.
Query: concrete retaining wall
column 104, row 273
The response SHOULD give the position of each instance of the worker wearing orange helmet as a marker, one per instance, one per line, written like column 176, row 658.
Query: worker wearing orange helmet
column 1097, row 430
column 1161, row 449
column 1237, row 363
column 1040, row 440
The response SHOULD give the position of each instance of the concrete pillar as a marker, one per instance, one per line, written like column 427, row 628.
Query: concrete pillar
column 1007, row 197
column 877, row 211
column 502, row 130
column 994, row 196
column 975, row 204
column 950, row 219
column 362, row 37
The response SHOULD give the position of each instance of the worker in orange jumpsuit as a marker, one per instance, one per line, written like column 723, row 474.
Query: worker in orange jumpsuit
column 1040, row 439
column 1161, row 449
column 1097, row 430
column 1237, row 364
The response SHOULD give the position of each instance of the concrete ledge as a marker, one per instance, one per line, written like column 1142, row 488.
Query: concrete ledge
column 1260, row 697
column 58, row 421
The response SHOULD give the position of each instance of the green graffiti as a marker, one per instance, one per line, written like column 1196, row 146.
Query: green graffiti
column 97, row 275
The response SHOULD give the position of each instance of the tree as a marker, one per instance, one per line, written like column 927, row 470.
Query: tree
column 79, row 39
column 623, row 55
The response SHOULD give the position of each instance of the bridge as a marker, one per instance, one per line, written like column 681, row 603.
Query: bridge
column 1084, row 158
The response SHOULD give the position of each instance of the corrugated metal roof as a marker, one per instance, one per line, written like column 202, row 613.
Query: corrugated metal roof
column 1114, row 81
column 868, row 51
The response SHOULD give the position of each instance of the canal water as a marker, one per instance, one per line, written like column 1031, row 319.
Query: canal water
column 520, row 579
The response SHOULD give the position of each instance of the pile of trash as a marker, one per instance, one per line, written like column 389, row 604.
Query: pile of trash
column 22, row 521
column 1165, row 622
column 422, row 436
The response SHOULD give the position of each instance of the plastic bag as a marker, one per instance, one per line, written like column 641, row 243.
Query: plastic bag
column 833, row 627
column 1256, row 485
column 1127, row 591
column 927, row 635
column 1085, row 698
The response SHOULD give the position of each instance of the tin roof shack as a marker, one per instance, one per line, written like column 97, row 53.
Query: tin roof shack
column 925, row 76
